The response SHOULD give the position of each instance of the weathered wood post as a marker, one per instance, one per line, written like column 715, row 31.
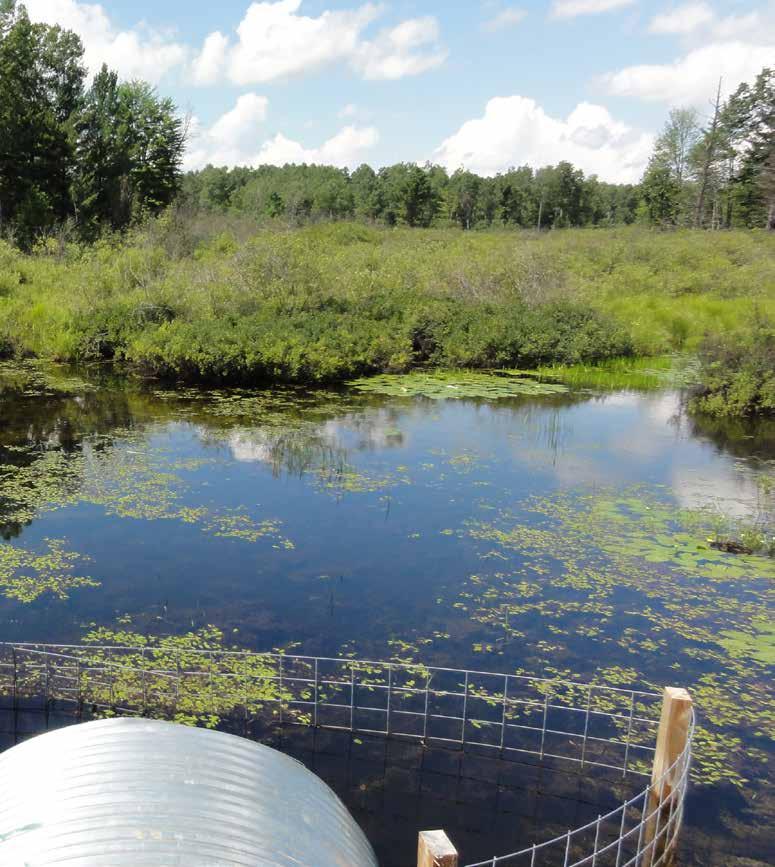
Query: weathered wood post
column 671, row 741
column 434, row 849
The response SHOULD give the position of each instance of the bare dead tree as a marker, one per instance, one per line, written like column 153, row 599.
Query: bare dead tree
column 711, row 146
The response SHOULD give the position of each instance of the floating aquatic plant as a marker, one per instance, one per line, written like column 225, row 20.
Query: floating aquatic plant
column 127, row 478
column 582, row 555
column 39, row 379
column 26, row 575
column 457, row 385
column 758, row 643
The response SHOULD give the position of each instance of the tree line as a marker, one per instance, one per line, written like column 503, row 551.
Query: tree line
column 104, row 155
column 412, row 195
column 101, row 156
column 720, row 174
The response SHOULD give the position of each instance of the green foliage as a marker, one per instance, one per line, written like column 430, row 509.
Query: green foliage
column 335, row 301
column 41, row 77
column 70, row 157
column 662, row 196
column 446, row 386
column 405, row 194
column 640, row 374
column 737, row 373
column 722, row 175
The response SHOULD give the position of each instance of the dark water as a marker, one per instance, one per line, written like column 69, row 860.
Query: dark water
column 561, row 535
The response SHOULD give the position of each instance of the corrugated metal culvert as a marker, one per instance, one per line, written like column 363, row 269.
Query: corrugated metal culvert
column 145, row 792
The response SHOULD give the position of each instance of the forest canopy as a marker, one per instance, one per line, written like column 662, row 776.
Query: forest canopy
column 89, row 157
column 100, row 156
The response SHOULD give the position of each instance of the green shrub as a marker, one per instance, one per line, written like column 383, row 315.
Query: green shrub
column 737, row 374
column 228, row 300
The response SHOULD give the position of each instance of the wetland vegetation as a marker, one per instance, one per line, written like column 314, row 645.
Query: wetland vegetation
column 333, row 302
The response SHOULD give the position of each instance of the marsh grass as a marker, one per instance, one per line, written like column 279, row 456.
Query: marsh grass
column 335, row 301
column 638, row 374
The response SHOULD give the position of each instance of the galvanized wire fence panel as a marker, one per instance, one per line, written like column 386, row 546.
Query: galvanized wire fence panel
column 512, row 715
column 642, row 832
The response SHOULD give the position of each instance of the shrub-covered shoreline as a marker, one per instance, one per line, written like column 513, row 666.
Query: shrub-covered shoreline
column 225, row 302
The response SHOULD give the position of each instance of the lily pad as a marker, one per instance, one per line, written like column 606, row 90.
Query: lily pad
column 458, row 385
column 759, row 645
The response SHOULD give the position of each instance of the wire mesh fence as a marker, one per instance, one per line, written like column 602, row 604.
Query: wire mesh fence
column 586, row 725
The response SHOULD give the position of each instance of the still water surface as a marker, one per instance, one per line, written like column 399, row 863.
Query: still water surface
column 564, row 534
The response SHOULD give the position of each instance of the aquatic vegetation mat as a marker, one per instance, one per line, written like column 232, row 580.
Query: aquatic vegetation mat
column 39, row 379
column 628, row 572
column 128, row 477
column 458, row 385
column 636, row 374
column 26, row 575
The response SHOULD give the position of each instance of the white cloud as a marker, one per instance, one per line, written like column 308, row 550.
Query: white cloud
column 275, row 41
column 409, row 48
column 752, row 25
column 141, row 52
column 573, row 8
column 231, row 139
column 208, row 65
column 698, row 19
column 693, row 79
column 349, row 110
column 234, row 140
column 346, row 148
column 515, row 130
column 508, row 17
column 682, row 19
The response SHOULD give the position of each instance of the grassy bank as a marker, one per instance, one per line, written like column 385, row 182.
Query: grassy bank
column 329, row 302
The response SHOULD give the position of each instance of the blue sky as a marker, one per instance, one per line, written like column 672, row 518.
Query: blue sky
column 482, row 83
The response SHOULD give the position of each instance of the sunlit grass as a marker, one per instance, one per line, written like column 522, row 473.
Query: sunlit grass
column 639, row 374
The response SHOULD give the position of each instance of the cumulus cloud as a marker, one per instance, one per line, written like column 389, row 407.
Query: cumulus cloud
column 234, row 139
column 410, row 48
column 508, row 17
column 345, row 149
column 693, row 78
column 682, row 19
column 230, row 140
column 274, row 40
column 208, row 65
column 515, row 130
column 141, row 52
column 574, row 8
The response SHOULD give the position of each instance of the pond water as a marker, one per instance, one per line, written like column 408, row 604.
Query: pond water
column 558, row 533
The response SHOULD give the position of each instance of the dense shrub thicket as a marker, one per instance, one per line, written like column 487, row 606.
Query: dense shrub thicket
column 738, row 373
column 330, row 301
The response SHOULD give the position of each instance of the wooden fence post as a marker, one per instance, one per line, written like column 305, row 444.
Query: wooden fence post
column 435, row 850
column 671, row 741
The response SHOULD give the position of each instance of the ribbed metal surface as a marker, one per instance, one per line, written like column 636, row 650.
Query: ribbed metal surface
column 144, row 792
